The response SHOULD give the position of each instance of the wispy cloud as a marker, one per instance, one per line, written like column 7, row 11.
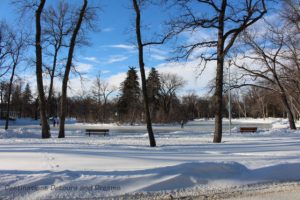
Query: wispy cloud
column 92, row 59
column 158, row 51
column 122, row 46
column 158, row 57
column 84, row 67
column 158, row 54
column 116, row 58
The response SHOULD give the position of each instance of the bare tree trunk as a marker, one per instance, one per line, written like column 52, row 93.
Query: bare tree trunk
column 49, row 101
column 63, row 107
column 219, row 76
column 245, row 110
column 9, row 94
column 219, row 102
column 283, row 95
column 289, row 112
column 262, row 106
column 39, row 73
column 296, row 106
column 104, row 110
column 142, row 70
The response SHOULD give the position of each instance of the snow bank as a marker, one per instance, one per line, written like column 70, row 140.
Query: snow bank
column 123, row 163
column 283, row 123
column 87, row 184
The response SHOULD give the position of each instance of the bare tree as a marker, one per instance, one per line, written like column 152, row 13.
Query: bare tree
column 58, row 27
column 141, row 44
column 17, row 47
column 68, row 68
column 97, row 94
column 291, row 16
column 142, row 70
column 265, row 55
column 102, row 90
column 5, row 44
column 239, row 99
column 25, row 7
column 39, row 71
column 229, row 19
column 170, row 84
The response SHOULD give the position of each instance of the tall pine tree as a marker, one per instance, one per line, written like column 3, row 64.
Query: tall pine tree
column 27, row 95
column 130, row 96
column 27, row 99
column 153, row 88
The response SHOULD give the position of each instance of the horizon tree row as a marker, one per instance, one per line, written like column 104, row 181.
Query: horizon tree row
column 105, row 107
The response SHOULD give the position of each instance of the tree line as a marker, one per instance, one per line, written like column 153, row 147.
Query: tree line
column 107, row 104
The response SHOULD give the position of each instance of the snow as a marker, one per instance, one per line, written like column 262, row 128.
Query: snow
column 185, row 162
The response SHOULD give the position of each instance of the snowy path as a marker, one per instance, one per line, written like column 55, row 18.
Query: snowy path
column 183, row 163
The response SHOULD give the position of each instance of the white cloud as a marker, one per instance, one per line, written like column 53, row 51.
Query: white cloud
column 122, row 46
column 116, row 58
column 78, row 86
column 190, row 72
column 158, row 57
column 83, row 67
column 92, row 59
column 157, row 54
column 117, row 79
column 158, row 51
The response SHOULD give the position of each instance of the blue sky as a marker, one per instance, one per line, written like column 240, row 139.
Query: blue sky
column 112, row 48
column 112, row 45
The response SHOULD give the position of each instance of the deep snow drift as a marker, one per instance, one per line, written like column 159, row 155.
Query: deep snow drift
column 185, row 161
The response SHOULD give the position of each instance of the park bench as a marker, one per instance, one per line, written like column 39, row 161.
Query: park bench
column 248, row 129
column 103, row 132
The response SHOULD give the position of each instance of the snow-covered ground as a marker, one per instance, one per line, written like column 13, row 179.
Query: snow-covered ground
column 122, row 165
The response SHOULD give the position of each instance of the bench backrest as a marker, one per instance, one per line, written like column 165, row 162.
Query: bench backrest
column 97, row 130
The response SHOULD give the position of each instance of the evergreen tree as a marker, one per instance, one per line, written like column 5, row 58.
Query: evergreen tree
column 27, row 95
column 27, row 101
column 130, row 95
column 153, row 88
